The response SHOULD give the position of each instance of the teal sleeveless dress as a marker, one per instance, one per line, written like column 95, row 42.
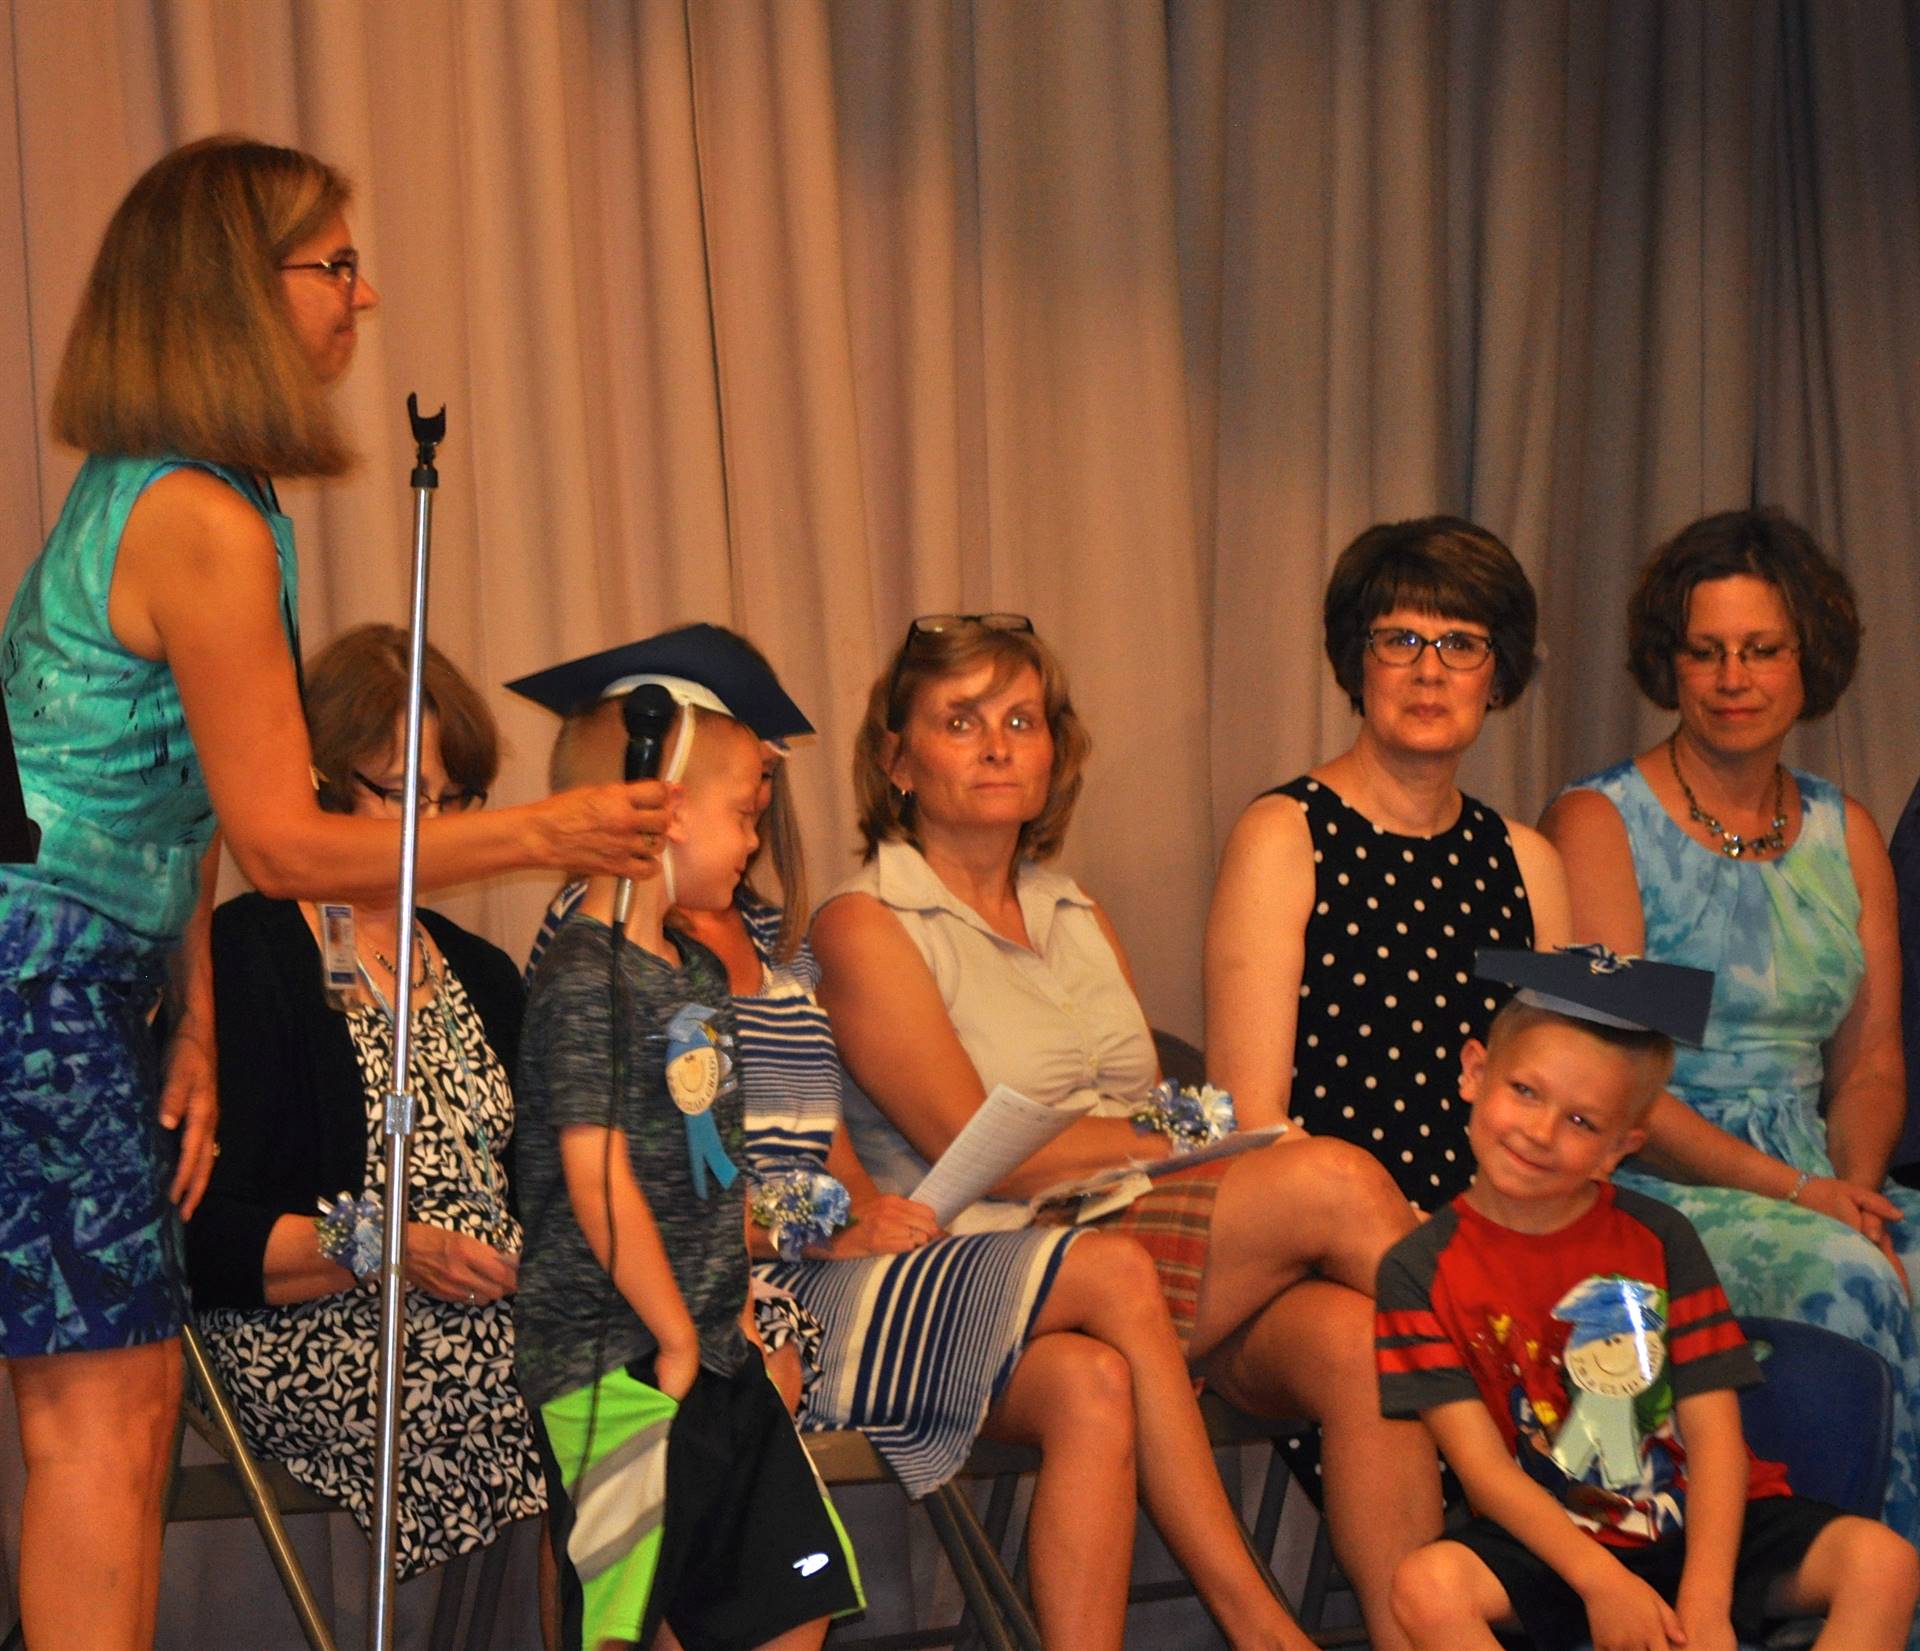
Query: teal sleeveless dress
column 88, row 1258
column 1782, row 939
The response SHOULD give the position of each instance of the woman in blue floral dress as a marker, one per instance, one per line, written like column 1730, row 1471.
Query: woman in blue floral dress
column 1705, row 850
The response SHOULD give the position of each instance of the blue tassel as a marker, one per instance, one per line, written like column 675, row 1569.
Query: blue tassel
column 704, row 1153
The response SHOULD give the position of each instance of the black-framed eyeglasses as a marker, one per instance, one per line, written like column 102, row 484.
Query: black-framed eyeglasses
column 938, row 624
column 395, row 797
column 1457, row 650
column 344, row 269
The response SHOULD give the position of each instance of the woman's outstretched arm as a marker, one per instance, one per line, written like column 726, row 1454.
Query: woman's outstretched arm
column 197, row 584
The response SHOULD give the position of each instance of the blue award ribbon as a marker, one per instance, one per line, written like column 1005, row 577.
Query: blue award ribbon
column 699, row 1070
column 704, row 1153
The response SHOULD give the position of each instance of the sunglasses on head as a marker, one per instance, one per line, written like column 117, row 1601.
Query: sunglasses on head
column 939, row 624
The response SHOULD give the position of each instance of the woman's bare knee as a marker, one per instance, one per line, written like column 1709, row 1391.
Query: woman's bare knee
column 1126, row 1279
column 115, row 1409
column 1069, row 1391
column 1317, row 1197
column 1105, row 1279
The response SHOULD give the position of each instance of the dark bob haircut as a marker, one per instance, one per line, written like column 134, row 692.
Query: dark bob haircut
column 356, row 695
column 1765, row 544
column 1442, row 565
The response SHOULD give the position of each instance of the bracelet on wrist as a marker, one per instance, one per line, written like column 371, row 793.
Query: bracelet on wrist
column 1799, row 1186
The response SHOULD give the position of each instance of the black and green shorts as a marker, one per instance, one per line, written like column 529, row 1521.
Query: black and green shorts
column 706, row 1514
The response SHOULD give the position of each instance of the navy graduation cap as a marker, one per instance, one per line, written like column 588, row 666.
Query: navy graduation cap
column 1592, row 983
column 697, row 664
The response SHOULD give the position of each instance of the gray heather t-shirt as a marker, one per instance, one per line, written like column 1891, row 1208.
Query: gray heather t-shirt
column 571, row 1325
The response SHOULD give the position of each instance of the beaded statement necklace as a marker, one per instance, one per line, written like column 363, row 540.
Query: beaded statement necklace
column 1731, row 843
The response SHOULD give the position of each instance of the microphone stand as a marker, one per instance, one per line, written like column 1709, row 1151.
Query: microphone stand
column 428, row 432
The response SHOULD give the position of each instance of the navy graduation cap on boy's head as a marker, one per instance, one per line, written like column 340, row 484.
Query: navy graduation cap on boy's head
column 698, row 664
column 1592, row 983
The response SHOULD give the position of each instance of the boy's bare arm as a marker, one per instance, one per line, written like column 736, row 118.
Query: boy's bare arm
column 1709, row 1426
column 614, row 1216
column 1622, row 1610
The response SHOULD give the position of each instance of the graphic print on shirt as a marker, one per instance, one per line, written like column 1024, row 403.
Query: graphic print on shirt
column 1591, row 1403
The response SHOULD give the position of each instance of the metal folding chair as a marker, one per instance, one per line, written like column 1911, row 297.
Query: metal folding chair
column 995, row 1609
column 240, row 1487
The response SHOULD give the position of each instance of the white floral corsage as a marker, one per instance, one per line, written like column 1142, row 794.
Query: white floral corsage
column 799, row 1207
column 353, row 1233
column 1189, row 1118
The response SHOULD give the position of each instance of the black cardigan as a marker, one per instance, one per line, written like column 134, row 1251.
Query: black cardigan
column 293, row 1110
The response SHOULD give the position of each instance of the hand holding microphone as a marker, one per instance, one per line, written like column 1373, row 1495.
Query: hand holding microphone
column 619, row 829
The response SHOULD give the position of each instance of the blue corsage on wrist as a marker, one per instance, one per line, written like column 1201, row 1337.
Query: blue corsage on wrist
column 799, row 1207
column 352, row 1232
column 1189, row 1118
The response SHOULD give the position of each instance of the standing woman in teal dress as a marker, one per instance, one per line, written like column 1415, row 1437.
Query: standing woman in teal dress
column 151, row 677
column 1705, row 850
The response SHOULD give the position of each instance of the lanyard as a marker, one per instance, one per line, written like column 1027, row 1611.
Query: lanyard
column 466, row 1125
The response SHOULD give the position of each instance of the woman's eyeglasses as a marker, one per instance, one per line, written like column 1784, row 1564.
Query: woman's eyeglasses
column 395, row 797
column 345, row 269
column 938, row 624
column 1708, row 658
column 1457, row 650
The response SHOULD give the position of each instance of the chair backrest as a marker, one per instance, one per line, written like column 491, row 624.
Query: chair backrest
column 1825, row 1409
column 1179, row 1060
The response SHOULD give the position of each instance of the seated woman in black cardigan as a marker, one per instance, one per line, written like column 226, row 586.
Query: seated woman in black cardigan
column 290, row 1330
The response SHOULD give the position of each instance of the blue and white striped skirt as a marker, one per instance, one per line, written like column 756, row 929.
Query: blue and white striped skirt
column 918, row 1345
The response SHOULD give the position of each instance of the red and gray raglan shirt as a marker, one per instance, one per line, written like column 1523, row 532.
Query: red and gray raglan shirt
column 1578, row 1341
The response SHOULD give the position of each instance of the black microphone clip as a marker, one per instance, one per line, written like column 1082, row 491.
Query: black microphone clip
column 429, row 430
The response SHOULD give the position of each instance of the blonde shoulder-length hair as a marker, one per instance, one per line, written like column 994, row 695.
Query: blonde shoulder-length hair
column 886, row 815
column 183, row 342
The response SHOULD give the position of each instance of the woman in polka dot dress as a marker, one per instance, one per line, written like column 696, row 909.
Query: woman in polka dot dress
column 1350, row 902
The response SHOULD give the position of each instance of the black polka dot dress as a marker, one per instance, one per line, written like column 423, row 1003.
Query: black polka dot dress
column 1388, row 994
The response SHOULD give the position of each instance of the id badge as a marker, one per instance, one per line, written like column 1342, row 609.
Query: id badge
column 340, row 960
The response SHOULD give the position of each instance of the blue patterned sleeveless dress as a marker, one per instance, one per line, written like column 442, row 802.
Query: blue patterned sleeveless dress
column 88, row 1258
column 1782, row 939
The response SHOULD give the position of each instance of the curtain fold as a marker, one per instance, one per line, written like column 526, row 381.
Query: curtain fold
column 808, row 317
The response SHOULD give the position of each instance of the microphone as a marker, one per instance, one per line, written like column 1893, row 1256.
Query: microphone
column 648, row 713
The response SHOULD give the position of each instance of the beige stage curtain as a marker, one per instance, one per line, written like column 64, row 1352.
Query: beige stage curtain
column 808, row 317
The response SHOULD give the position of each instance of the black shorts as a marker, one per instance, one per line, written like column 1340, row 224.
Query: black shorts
column 751, row 1546
column 1774, row 1539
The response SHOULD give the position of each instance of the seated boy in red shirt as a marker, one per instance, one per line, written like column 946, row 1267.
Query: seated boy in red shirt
column 1571, row 1350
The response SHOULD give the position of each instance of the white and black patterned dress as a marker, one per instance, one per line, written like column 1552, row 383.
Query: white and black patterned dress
column 302, row 1377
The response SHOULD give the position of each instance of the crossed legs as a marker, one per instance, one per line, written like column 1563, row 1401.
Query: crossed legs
column 1107, row 1294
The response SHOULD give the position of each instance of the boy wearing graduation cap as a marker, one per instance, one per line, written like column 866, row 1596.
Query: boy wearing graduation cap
column 681, row 1492
column 1570, row 1348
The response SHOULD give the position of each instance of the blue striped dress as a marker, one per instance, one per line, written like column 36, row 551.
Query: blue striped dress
column 918, row 1345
